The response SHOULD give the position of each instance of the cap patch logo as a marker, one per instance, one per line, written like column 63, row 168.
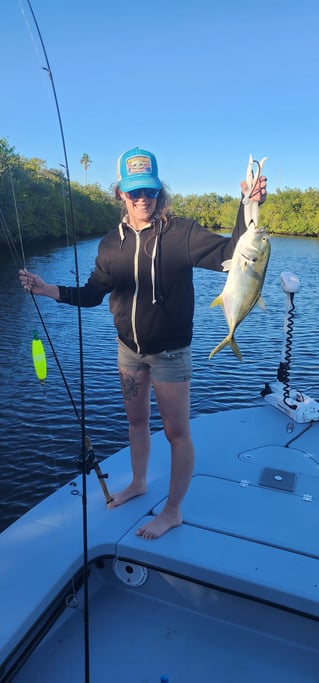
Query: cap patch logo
column 138, row 164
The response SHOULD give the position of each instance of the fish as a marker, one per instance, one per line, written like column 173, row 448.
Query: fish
column 243, row 287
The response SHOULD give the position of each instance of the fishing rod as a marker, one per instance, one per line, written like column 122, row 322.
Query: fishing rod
column 21, row 266
column 86, row 446
column 80, row 339
column 38, row 353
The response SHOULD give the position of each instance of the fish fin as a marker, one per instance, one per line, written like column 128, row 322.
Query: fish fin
column 219, row 347
column 260, row 302
column 226, row 264
column 218, row 301
column 235, row 349
column 232, row 343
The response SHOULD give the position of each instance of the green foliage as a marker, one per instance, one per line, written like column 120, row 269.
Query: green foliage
column 292, row 212
column 205, row 208
column 86, row 163
column 288, row 212
column 41, row 198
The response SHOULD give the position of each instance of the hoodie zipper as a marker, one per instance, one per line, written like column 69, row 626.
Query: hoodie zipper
column 134, row 302
column 136, row 275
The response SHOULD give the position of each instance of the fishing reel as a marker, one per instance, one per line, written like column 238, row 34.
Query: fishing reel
column 91, row 462
column 294, row 403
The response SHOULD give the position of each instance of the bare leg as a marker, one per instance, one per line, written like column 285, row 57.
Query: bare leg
column 136, row 389
column 174, row 404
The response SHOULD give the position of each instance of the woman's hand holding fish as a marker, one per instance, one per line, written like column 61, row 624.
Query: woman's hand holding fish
column 259, row 192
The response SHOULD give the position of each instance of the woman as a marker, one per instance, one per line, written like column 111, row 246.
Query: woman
column 146, row 265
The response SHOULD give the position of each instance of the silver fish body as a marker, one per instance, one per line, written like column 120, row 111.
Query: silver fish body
column 243, row 287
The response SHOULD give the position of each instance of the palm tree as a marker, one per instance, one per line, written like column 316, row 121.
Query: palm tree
column 85, row 161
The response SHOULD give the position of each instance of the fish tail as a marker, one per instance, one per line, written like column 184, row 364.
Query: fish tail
column 235, row 349
column 229, row 340
column 220, row 346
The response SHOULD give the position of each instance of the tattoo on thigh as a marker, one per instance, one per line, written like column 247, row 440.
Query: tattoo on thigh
column 129, row 386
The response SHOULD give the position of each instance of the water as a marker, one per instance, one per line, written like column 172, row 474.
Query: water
column 40, row 437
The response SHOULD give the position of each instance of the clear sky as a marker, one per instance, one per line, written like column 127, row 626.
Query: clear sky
column 202, row 84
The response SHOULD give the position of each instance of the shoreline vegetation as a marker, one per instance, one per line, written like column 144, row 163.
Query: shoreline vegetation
column 35, row 201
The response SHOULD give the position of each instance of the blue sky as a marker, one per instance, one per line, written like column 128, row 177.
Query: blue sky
column 201, row 84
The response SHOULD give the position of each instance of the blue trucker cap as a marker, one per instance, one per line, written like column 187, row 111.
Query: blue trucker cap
column 136, row 169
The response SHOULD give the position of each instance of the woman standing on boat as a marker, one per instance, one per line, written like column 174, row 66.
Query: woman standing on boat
column 146, row 266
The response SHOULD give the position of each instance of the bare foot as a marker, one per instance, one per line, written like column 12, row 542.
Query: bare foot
column 160, row 525
column 123, row 496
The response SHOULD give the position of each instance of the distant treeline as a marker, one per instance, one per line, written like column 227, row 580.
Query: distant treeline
column 35, row 201
column 37, row 198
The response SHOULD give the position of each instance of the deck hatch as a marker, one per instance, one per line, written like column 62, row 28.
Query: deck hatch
column 278, row 479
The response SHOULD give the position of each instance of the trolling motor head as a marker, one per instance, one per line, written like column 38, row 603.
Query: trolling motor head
column 294, row 403
column 289, row 282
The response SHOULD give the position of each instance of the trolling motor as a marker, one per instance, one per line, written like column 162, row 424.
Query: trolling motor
column 298, row 406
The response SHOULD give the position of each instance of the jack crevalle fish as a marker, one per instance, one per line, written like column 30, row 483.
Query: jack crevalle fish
column 242, row 291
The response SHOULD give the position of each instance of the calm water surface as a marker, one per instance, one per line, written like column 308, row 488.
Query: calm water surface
column 40, row 436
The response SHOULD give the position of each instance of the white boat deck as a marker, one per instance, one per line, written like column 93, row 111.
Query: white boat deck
column 250, row 529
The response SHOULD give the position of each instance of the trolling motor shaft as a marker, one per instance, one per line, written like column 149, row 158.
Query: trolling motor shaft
column 290, row 284
column 292, row 402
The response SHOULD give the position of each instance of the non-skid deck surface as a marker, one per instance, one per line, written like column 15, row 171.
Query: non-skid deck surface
column 256, row 513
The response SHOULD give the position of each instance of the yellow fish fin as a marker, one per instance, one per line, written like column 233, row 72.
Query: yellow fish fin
column 235, row 349
column 218, row 301
column 229, row 340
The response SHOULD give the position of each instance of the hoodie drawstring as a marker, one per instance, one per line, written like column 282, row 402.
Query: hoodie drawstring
column 153, row 278
column 122, row 235
column 158, row 232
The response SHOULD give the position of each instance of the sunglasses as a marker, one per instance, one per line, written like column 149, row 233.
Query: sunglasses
column 148, row 192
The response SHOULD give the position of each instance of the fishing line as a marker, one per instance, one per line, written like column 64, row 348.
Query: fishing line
column 254, row 192
column 20, row 266
column 64, row 209
column 40, row 368
column 20, row 262
column 46, row 90
column 48, row 69
column 37, row 348
column 17, row 215
column 69, row 195
column 91, row 461
column 10, row 243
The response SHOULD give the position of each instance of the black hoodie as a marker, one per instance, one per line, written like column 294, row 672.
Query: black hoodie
column 149, row 275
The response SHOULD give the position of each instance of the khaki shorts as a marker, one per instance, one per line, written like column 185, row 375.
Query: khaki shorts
column 166, row 366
